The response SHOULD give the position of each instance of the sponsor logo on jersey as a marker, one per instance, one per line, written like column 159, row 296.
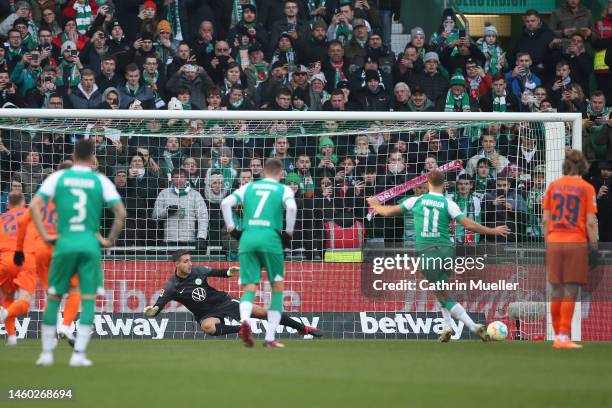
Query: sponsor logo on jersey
column 198, row 294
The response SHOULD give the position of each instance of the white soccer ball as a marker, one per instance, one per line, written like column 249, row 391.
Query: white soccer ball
column 497, row 331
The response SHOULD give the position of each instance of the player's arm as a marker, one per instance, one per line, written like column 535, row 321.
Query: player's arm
column 37, row 203
column 384, row 210
column 221, row 272
column 113, row 200
column 592, row 230
column 164, row 297
column 474, row 226
column 22, row 227
column 545, row 222
column 290, row 210
column 227, row 204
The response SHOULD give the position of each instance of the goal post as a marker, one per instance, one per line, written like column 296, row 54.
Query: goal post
column 327, row 267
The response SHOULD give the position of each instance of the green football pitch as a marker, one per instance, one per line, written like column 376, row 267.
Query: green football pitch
column 328, row 373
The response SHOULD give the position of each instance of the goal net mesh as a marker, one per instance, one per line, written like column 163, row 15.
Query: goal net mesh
column 496, row 172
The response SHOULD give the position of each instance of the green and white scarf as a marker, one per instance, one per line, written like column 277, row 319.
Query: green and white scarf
column 152, row 80
column 83, row 16
column 181, row 191
column 237, row 11
column 466, row 205
column 174, row 18
column 492, row 54
column 343, row 33
column 457, row 104
column 73, row 77
column 499, row 103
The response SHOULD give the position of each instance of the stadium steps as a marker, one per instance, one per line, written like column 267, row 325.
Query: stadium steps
column 398, row 39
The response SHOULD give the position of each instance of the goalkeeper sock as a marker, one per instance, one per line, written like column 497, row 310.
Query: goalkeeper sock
column 49, row 341
column 82, row 338
column 246, row 305
column 274, row 315
column 222, row 329
column 287, row 321
column 71, row 308
column 555, row 314
column 567, row 313
column 50, row 315
column 458, row 312
column 9, row 325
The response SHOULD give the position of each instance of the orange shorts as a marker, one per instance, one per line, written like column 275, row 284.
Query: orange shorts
column 567, row 262
column 8, row 272
column 27, row 277
column 43, row 263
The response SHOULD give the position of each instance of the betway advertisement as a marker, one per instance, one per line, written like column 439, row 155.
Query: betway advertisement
column 325, row 295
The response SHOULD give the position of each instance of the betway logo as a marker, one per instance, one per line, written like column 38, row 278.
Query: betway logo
column 105, row 325
column 21, row 327
column 260, row 326
column 405, row 323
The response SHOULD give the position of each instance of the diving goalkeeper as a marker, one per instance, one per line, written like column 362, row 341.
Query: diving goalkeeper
column 189, row 286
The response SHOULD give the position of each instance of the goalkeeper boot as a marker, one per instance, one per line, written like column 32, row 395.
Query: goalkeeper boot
column 566, row 344
column 65, row 333
column 446, row 335
column 11, row 341
column 45, row 359
column 3, row 314
column 273, row 344
column 246, row 334
column 79, row 360
column 481, row 331
column 309, row 330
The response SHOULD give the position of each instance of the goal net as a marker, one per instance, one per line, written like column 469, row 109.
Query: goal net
column 172, row 169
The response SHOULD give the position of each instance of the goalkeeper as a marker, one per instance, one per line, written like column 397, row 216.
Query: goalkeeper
column 189, row 286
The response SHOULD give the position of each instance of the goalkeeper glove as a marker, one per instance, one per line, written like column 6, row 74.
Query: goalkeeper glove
column 236, row 234
column 233, row 271
column 151, row 311
column 286, row 238
column 18, row 258
column 593, row 259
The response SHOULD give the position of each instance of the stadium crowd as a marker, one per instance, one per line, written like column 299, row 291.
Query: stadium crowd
column 302, row 55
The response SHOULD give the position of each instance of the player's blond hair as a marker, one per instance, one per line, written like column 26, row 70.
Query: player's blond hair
column 574, row 163
column 436, row 178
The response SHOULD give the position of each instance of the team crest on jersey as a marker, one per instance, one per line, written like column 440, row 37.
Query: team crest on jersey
column 198, row 281
column 198, row 294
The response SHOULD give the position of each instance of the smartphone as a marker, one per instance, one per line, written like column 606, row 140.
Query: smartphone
column 111, row 9
column 290, row 26
column 461, row 33
column 74, row 53
column 35, row 57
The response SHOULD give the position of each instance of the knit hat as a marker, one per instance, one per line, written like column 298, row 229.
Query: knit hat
column 431, row 56
column 299, row 93
column 163, row 25
column 292, row 178
column 150, row 4
column 490, row 30
column 320, row 24
column 457, row 78
column 448, row 13
column 326, row 141
column 119, row 169
column 371, row 74
column 225, row 151
column 249, row 7
column 358, row 22
column 320, row 76
column 417, row 31
column 22, row 4
column 68, row 45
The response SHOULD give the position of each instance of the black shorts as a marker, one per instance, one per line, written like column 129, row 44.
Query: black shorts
column 228, row 308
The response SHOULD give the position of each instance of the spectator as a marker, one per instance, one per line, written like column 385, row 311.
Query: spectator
column 177, row 14
column 448, row 32
column 15, row 49
column 521, row 78
column 306, row 180
column 108, row 77
column 401, row 102
column 281, row 151
column 408, row 65
column 179, row 208
column 155, row 80
column 49, row 22
column 203, row 45
column 47, row 49
column 290, row 24
column 484, row 177
column 581, row 63
column 527, row 155
column 562, row 80
column 285, row 52
column 601, row 183
column 499, row 99
column 118, row 42
column 171, row 158
column 183, row 56
column 225, row 165
column 214, row 192
column 419, row 102
column 14, row 186
column 237, row 100
column 220, row 61
column 282, row 102
column 27, row 71
column 167, row 44
column 505, row 206
column 336, row 66
column 133, row 92
column 601, row 41
column 417, row 39
column 494, row 54
column 318, row 95
column 433, row 83
column 313, row 48
column 31, row 173
column 470, row 205
column 356, row 49
column 69, row 66
column 571, row 17
column 142, row 187
column 457, row 98
column 372, row 96
column 8, row 91
column 256, row 167
column 488, row 151
column 341, row 26
column 383, row 56
column 572, row 100
column 86, row 95
column 453, row 60
column 249, row 26
column 595, row 143
column 71, row 34
column 477, row 81
column 22, row 10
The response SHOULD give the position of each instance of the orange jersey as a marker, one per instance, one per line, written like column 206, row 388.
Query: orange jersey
column 8, row 228
column 569, row 200
column 27, row 229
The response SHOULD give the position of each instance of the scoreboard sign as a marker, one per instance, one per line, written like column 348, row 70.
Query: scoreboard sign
column 505, row 6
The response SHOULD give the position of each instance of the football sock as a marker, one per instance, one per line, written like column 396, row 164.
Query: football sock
column 448, row 321
column 82, row 337
column 567, row 313
column 50, row 314
column 555, row 314
column 458, row 312
column 71, row 308
column 287, row 321
column 274, row 315
column 9, row 325
column 16, row 309
column 246, row 305
column 222, row 329
column 48, row 338
column 87, row 312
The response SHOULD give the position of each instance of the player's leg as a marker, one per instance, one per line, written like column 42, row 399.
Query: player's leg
column 90, row 281
column 209, row 326
column 8, row 271
column 214, row 324
column 62, row 268
column 250, row 276
column 25, row 281
column 275, row 268
column 444, row 300
column 71, row 309
column 554, row 270
column 286, row 320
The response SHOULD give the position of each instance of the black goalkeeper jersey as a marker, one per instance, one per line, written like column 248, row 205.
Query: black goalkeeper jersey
column 194, row 292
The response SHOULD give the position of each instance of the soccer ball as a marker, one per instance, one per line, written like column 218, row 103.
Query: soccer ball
column 497, row 331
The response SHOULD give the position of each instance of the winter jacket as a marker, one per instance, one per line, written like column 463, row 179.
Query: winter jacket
column 181, row 226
